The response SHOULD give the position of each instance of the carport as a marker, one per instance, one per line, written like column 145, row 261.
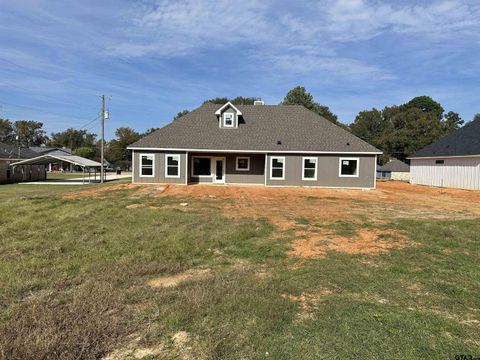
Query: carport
column 87, row 165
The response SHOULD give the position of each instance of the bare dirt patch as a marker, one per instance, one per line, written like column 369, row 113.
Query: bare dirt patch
column 370, row 241
column 301, row 209
column 101, row 191
column 175, row 280
column 308, row 302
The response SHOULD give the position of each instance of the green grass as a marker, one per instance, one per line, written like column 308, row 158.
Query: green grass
column 64, row 175
column 73, row 275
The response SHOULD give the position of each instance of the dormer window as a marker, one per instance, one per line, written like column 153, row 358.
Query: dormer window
column 228, row 116
column 228, row 120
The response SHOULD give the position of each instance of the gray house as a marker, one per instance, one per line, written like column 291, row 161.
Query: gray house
column 394, row 170
column 453, row 161
column 280, row 145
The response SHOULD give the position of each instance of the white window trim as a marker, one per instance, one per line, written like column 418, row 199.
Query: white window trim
column 202, row 176
column 271, row 167
column 239, row 158
column 166, row 165
column 340, row 166
column 314, row 159
column 224, row 120
column 153, row 165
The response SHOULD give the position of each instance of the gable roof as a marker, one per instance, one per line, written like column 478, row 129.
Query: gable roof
column 394, row 165
column 463, row 142
column 8, row 151
column 227, row 105
column 48, row 158
column 50, row 150
column 260, row 129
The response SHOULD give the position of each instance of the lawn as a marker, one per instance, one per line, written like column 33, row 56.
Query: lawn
column 118, row 271
column 64, row 175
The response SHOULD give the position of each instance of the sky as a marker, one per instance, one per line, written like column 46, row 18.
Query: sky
column 157, row 57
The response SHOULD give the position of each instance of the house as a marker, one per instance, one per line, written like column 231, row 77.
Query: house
column 8, row 174
column 280, row 145
column 394, row 170
column 56, row 165
column 453, row 161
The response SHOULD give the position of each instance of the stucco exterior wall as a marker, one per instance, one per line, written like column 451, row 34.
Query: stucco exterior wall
column 159, row 168
column 400, row 176
column 462, row 173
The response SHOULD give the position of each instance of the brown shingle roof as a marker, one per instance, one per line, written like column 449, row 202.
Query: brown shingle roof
column 261, row 128
column 395, row 166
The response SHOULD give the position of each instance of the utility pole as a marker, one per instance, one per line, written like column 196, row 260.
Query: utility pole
column 102, row 141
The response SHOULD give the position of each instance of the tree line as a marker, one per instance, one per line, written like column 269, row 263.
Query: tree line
column 397, row 130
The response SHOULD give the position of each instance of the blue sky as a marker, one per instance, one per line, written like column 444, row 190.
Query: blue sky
column 158, row 57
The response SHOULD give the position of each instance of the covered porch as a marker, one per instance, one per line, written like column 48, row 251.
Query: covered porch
column 225, row 168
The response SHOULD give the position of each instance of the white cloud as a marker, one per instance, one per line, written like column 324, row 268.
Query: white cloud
column 348, row 20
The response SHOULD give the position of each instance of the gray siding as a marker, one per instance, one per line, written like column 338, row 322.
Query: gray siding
column 254, row 176
column 232, row 176
column 229, row 110
column 159, row 168
column 327, row 172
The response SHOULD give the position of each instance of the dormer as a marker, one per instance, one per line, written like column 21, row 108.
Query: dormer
column 228, row 116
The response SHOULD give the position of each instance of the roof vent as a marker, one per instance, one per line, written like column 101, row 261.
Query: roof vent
column 279, row 142
column 259, row 102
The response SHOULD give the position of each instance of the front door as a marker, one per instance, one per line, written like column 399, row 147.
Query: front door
column 219, row 173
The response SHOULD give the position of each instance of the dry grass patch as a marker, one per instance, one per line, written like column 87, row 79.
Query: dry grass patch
column 369, row 241
column 177, row 279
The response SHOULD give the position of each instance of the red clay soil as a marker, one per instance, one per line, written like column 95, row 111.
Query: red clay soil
column 301, row 209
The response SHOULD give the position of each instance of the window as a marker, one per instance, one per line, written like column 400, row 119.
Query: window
column 277, row 168
column 172, row 166
column 243, row 163
column 439, row 162
column 348, row 167
column 228, row 119
column 309, row 169
column 146, row 165
column 201, row 167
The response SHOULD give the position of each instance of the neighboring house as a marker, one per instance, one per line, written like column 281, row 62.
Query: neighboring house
column 57, row 165
column 453, row 161
column 394, row 170
column 8, row 174
column 280, row 145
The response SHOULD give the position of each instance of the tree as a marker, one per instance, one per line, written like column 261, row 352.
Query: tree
column 239, row 100
column 476, row 117
column 369, row 125
column 426, row 104
column 7, row 135
column 180, row 114
column 300, row 96
column 451, row 122
column 401, row 130
column 117, row 152
column 29, row 133
column 86, row 152
column 73, row 139
column 409, row 131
